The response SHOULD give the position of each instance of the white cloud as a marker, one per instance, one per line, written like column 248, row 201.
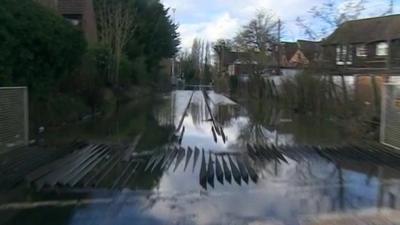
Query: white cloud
column 214, row 19
column 224, row 26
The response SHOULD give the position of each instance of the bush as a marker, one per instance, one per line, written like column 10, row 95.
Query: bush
column 100, row 56
column 37, row 47
column 140, row 72
column 308, row 93
column 5, row 80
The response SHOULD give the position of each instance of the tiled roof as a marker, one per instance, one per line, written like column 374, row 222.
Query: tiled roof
column 289, row 49
column 366, row 31
column 310, row 49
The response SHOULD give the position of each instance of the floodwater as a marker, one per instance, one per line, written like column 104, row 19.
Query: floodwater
column 288, row 191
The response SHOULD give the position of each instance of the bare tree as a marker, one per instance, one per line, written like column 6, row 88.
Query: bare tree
column 221, row 47
column 201, row 55
column 116, row 21
column 390, row 9
column 260, row 40
column 260, row 34
column 330, row 14
column 197, row 63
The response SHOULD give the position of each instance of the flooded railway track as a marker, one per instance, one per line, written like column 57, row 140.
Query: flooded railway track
column 101, row 166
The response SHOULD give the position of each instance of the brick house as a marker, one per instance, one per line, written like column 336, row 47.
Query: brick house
column 369, row 45
column 79, row 12
column 300, row 54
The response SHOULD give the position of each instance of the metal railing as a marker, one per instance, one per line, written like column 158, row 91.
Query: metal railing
column 390, row 118
column 14, row 117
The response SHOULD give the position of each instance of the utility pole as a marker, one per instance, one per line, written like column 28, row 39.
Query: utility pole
column 390, row 10
column 278, row 71
column 391, row 7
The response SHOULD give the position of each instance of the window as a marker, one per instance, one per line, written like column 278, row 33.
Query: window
column 74, row 22
column 361, row 50
column 339, row 55
column 382, row 49
column 344, row 55
column 232, row 70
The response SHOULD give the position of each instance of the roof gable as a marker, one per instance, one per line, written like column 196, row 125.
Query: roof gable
column 366, row 31
column 289, row 49
column 299, row 59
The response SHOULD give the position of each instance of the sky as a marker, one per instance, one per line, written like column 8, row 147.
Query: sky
column 214, row 19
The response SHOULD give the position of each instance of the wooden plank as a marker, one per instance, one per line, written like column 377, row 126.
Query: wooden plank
column 131, row 149
column 184, row 114
column 128, row 178
column 252, row 173
column 210, row 171
column 101, row 169
column 119, row 178
column 159, row 160
column 188, row 156
column 227, row 171
column 151, row 161
column 53, row 175
column 243, row 172
column 203, row 172
column 181, row 136
column 277, row 153
column 64, row 171
column 196, row 156
column 180, row 157
column 85, row 163
column 235, row 171
column 169, row 154
column 86, row 168
column 46, row 169
column 214, row 134
column 219, row 171
column 172, row 158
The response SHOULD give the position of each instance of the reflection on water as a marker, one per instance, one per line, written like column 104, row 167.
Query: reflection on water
column 285, row 191
column 255, row 123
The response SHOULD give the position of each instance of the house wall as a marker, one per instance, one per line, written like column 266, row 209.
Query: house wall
column 87, row 17
column 395, row 52
column 329, row 55
column 241, row 69
column 48, row 3
column 89, row 22
column 369, row 61
column 364, row 90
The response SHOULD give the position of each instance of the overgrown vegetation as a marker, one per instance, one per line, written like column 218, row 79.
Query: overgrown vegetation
column 68, row 80
column 137, row 35
column 328, row 97
column 327, row 16
column 196, row 64
column 38, row 48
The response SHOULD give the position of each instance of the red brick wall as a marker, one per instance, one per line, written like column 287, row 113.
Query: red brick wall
column 89, row 22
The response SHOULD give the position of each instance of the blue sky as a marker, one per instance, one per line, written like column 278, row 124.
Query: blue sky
column 214, row 19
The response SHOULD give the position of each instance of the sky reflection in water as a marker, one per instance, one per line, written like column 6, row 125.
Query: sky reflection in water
column 284, row 193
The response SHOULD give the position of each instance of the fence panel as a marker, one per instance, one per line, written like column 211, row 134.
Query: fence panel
column 13, row 117
column 390, row 124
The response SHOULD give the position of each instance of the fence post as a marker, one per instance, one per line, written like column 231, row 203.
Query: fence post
column 26, row 115
column 383, row 113
column 14, row 117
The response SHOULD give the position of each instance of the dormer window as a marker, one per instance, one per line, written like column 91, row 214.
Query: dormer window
column 382, row 49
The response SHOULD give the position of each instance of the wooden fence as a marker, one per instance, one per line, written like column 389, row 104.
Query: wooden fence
column 14, row 118
column 390, row 119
